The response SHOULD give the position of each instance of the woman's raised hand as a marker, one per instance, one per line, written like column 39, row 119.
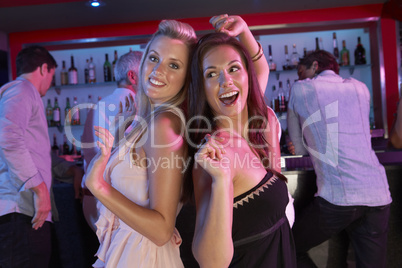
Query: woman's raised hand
column 105, row 143
column 98, row 164
column 231, row 25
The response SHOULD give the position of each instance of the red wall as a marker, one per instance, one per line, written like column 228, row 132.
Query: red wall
column 388, row 32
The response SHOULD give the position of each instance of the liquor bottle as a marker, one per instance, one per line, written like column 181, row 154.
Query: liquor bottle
column 271, row 62
column 286, row 63
column 91, row 105
column 287, row 93
column 72, row 73
column 66, row 148
column 86, row 72
column 67, row 118
column 321, row 44
column 294, row 58
column 360, row 53
column 304, row 54
column 335, row 47
column 107, row 69
column 114, row 64
column 76, row 113
column 55, row 147
column 317, row 45
column 275, row 100
column 91, row 72
column 49, row 113
column 56, row 113
column 73, row 148
column 63, row 74
column 281, row 98
column 90, row 100
column 344, row 55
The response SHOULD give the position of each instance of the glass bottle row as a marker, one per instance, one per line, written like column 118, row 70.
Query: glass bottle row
column 70, row 76
column 343, row 57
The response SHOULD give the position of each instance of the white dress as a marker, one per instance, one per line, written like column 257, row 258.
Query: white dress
column 120, row 245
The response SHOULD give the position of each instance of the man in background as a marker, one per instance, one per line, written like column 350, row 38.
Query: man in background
column 328, row 118
column 104, row 115
column 25, row 163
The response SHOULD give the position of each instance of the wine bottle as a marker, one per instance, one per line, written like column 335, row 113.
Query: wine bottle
column 76, row 113
column 271, row 62
column 287, row 93
column 281, row 98
column 114, row 64
column 344, row 55
column 86, row 72
column 91, row 105
column 286, row 63
column 66, row 148
column 304, row 53
column 67, row 118
column 63, row 74
column 49, row 113
column 107, row 69
column 335, row 47
column 275, row 100
column 72, row 73
column 90, row 100
column 73, row 148
column 294, row 58
column 91, row 72
column 56, row 113
column 55, row 147
column 360, row 53
column 321, row 44
column 317, row 45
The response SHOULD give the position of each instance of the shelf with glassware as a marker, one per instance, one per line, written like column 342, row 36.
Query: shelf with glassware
column 64, row 118
column 86, row 74
column 293, row 72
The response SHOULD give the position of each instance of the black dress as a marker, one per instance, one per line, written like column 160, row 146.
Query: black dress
column 261, row 233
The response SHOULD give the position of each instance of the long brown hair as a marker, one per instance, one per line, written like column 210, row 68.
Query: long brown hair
column 198, row 106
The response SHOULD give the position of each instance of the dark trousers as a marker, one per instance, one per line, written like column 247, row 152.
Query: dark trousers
column 20, row 245
column 367, row 228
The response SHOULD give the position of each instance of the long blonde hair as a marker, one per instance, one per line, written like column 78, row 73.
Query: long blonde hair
column 145, row 110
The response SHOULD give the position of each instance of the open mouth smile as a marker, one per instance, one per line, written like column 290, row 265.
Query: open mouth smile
column 155, row 82
column 229, row 98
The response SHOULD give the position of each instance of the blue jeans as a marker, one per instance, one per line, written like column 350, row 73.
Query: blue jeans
column 367, row 228
column 20, row 245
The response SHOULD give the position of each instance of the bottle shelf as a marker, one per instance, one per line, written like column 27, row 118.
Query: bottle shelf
column 61, row 127
column 58, row 88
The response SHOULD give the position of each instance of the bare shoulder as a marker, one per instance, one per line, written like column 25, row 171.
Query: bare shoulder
column 166, row 132
column 168, row 121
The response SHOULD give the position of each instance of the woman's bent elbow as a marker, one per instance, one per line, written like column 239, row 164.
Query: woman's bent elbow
column 162, row 238
column 213, row 259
